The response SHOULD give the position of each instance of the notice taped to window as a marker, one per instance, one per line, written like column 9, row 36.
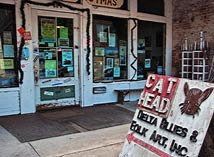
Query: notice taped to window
column 171, row 120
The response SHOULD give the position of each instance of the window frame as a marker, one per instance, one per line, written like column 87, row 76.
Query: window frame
column 12, row 8
column 94, row 32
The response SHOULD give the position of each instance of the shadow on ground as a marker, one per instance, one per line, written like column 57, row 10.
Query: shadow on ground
column 60, row 122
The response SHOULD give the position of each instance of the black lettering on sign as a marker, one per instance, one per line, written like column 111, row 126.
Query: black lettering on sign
column 138, row 129
column 178, row 149
column 173, row 128
column 193, row 137
column 147, row 118
column 158, row 138
column 114, row 2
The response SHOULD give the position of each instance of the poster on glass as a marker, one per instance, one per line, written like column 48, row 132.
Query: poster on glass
column 67, row 57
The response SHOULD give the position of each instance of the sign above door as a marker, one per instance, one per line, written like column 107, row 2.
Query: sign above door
column 106, row 3
column 73, row 1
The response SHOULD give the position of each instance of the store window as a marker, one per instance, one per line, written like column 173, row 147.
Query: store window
column 8, row 50
column 151, row 49
column 151, row 7
column 110, row 48
column 125, row 5
column 56, row 58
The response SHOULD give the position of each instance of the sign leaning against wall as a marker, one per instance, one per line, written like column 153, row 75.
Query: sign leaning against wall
column 172, row 118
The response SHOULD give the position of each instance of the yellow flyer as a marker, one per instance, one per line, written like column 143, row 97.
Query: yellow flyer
column 6, row 64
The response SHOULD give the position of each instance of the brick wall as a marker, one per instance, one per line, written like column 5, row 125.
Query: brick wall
column 189, row 18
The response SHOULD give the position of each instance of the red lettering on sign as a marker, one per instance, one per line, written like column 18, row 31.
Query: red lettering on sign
column 130, row 137
column 158, row 94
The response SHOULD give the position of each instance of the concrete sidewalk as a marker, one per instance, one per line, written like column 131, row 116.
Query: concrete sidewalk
column 98, row 143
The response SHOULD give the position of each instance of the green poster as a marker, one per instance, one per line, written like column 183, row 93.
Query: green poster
column 50, row 68
column 64, row 33
column 48, row 30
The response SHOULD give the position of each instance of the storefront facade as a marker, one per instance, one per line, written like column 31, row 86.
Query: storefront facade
column 80, row 52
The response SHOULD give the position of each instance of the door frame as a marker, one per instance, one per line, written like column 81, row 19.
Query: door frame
column 76, row 50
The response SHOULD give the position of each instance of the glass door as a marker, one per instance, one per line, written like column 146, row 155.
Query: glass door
column 56, row 69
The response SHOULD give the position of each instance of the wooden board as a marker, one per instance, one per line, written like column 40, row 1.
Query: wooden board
column 175, row 129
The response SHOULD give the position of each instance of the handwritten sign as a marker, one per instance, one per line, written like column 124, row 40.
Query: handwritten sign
column 172, row 118
column 106, row 3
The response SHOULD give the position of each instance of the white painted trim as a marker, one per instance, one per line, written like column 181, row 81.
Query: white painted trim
column 9, row 89
column 168, row 14
column 8, row 1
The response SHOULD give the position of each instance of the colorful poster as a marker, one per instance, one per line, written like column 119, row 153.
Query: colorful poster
column 7, row 37
column 147, row 63
column 48, row 30
column 50, row 68
column 103, row 37
column 64, row 33
column 99, row 51
column 8, row 50
column 116, row 71
column 6, row 64
column 67, row 57
column 112, row 40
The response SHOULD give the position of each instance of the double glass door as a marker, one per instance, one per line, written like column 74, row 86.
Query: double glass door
column 56, row 66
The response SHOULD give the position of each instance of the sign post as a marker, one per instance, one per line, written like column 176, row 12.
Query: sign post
column 171, row 120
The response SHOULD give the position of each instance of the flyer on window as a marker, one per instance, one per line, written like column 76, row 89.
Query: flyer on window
column 64, row 33
column 116, row 71
column 123, row 55
column 48, row 30
column 103, row 37
column 50, row 68
column 99, row 51
column 67, row 57
column 6, row 64
column 8, row 51
column 147, row 63
column 7, row 37
column 63, row 42
column 112, row 40
column 109, row 62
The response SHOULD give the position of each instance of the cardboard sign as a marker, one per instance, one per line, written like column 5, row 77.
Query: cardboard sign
column 172, row 118
column 106, row 3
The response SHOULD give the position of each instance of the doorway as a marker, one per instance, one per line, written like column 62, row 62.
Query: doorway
column 56, row 58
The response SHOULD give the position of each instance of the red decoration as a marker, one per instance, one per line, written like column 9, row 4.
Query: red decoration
column 27, row 36
column 21, row 31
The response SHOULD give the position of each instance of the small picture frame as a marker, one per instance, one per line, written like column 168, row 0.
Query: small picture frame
column 99, row 51
column 109, row 62
column 122, row 55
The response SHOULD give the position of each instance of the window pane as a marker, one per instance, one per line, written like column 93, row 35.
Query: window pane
column 56, row 58
column 110, row 48
column 151, row 6
column 8, row 50
column 151, row 47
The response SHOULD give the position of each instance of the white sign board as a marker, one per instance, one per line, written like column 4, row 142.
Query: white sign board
column 172, row 118
column 106, row 3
